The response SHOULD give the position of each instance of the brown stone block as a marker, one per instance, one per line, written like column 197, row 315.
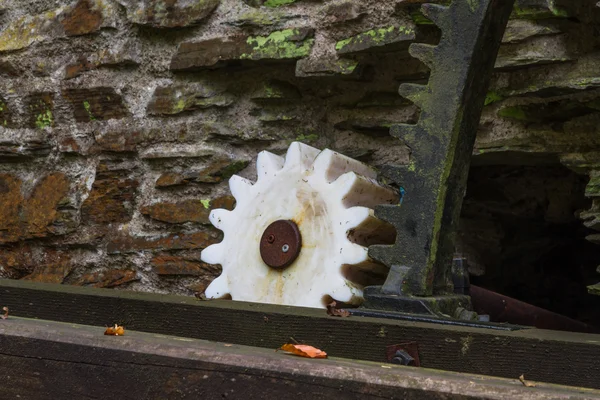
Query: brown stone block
column 85, row 17
column 176, row 241
column 99, row 103
column 78, row 18
column 178, row 213
column 108, row 279
column 33, row 217
column 40, row 208
column 177, row 99
column 111, row 199
column 16, row 262
column 119, row 141
column 169, row 179
column 217, row 171
column 53, row 267
column 288, row 44
column 126, row 53
column 168, row 14
column 188, row 210
column 165, row 264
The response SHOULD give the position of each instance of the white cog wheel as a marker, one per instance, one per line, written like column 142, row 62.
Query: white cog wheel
column 299, row 235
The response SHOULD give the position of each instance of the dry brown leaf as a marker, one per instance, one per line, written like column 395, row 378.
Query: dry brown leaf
column 525, row 383
column 115, row 330
column 336, row 312
column 304, row 350
column 5, row 315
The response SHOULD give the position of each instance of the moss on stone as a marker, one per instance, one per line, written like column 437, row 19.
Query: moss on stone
column 419, row 19
column 277, row 3
column 308, row 138
column 594, row 289
column 44, row 120
column 233, row 168
column 493, row 97
column 288, row 43
column 375, row 37
column 86, row 105
column 514, row 113
column 205, row 203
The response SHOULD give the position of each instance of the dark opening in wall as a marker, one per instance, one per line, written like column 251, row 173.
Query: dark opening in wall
column 522, row 237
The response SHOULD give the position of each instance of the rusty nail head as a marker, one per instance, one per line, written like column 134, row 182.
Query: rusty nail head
column 280, row 244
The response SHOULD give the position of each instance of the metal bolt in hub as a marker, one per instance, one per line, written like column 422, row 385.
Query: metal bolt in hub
column 280, row 244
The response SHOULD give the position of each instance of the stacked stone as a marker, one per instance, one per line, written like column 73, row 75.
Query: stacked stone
column 121, row 120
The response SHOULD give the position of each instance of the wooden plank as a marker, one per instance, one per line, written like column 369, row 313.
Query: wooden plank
column 45, row 359
column 557, row 357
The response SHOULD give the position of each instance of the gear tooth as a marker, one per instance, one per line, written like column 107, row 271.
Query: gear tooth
column 357, row 190
column 300, row 154
column 333, row 164
column 240, row 187
column 217, row 288
column 354, row 216
column 406, row 133
column 436, row 13
column 213, row 254
column 423, row 52
column 381, row 253
column 267, row 164
column 219, row 218
column 352, row 253
column 365, row 229
column 414, row 92
column 346, row 292
column 398, row 173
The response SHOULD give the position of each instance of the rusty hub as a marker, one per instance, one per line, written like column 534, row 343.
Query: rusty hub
column 280, row 244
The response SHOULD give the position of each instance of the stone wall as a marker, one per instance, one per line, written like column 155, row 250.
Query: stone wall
column 121, row 120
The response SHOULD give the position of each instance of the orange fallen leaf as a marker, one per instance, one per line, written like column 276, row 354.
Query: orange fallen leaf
column 115, row 330
column 304, row 350
column 5, row 315
column 336, row 312
column 525, row 383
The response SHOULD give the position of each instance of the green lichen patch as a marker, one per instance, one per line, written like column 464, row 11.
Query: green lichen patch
column 277, row 3
column 593, row 187
column 493, row 97
column 274, row 114
column 81, row 17
column 539, row 10
column 5, row 114
column 24, row 31
column 285, row 44
column 87, row 107
column 40, row 110
column 276, row 90
column 307, row 138
column 176, row 99
column 375, row 39
column 323, row 67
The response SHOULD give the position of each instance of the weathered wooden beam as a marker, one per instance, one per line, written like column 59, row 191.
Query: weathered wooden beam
column 558, row 357
column 45, row 359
